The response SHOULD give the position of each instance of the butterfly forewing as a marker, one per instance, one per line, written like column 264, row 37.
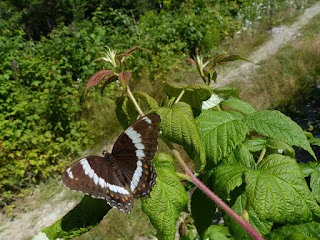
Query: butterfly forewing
column 133, row 151
column 98, row 177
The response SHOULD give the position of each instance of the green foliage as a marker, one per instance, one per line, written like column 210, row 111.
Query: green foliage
column 312, row 170
column 179, row 126
column 167, row 199
column 276, row 125
column 307, row 231
column 220, row 132
column 254, row 173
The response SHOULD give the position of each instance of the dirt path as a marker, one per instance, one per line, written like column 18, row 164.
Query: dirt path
column 280, row 36
column 26, row 225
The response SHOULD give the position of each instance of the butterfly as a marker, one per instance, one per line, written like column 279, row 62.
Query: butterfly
column 123, row 174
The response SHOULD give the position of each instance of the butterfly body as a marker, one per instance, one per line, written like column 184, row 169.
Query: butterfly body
column 124, row 174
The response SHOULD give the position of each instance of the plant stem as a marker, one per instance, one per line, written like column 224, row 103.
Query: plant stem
column 134, row 101
column 261, row 156
column 180, row 96
column 215, row 198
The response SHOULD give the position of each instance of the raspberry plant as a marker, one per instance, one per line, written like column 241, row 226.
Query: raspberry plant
column 244, row 156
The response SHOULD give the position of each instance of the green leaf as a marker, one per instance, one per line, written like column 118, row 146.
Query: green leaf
column 263, row 227
column 215, row 232
column 239, row 105
column 152, row 103
column 280, row 146
column 256, row 144
column 230, row 173
column 276, row 125
column 227, row 92
column 203, row 210
column 220, row 132
column 313, row 170
column 126, row 112
column 178, row 125
column 309, row 231
column 167, row 199
column 87, row 214
column 278, row 191
column 193, row 95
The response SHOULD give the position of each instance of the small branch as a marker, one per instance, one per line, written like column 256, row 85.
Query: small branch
column 135, row 24
column 135, row 101
column 261, row 156
column 180, row 96
column 215, row 198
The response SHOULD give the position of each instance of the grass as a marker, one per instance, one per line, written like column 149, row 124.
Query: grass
column 289, row 75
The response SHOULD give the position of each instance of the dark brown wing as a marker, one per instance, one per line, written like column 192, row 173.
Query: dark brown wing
column 133, row 151
column 98, row 177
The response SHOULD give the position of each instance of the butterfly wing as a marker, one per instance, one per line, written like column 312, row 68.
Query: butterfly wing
column 99, row 178
column 133, row 151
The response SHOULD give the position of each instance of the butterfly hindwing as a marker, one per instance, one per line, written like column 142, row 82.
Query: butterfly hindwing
column 134, row 149
column 97, row 177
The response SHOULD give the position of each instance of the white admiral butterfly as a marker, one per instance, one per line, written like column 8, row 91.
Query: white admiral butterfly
column 123, row 174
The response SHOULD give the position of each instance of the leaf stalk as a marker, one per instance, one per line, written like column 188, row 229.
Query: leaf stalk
column 134, row 101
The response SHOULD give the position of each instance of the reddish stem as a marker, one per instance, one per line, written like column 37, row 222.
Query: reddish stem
column 217, row 200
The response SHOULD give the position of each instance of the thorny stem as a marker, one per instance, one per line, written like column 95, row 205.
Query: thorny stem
column 215, row 198
column 261, row 156
column 135, row 101
column 180, row 96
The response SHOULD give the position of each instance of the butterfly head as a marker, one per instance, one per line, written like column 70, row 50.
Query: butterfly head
column 105, row 153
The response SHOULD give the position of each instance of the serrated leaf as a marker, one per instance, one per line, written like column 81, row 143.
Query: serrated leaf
column 310, row 231
column 97, row 78
column 230, row 173
column 262, row 227
column 167, row 199
column 126, row 112
column 313, row 170
column 215, row 232
column 256, row 144
column 203, row 210
column 239, row 105
column 179, row 126
column 213, row 101
column 220, row 132
column 276, row 125
column 152, row 103
column 278, row 191
column 193, row 95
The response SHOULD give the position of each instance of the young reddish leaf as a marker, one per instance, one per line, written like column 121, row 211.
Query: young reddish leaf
column 191, row 61
column 136, row 48
column 108, row 81
column 121, row 56
column 96, row 78
column 124, row 76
